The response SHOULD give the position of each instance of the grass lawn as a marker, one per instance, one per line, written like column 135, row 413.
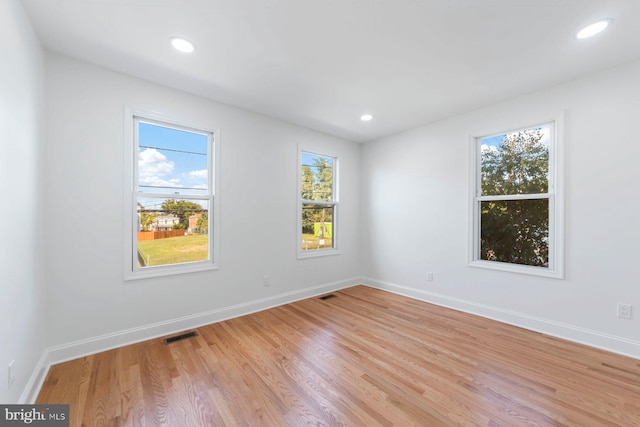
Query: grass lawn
column 174, row 250
column 311, row 242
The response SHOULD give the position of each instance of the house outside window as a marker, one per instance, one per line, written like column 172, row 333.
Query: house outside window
column 171, row 205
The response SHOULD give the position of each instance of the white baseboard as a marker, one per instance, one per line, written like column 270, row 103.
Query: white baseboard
column 612, row 343
column 105, row 342
column 36, row 380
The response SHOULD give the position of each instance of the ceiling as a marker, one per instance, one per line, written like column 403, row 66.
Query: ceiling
column 323, row 63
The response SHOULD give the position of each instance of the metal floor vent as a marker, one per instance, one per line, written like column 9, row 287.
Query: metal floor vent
column 325, row 297
column 180, row 337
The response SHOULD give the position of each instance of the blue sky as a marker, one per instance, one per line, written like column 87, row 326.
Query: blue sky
column 171, row 160
column 308, row 158
column 495, row 140
column 492, row 140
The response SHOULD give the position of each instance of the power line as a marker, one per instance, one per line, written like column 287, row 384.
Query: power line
column 319, row 166
column 177, row 188
column 171, row 149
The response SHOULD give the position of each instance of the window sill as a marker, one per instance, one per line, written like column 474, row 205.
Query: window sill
column 515, row 268
column 169, row 270
column 318, row 253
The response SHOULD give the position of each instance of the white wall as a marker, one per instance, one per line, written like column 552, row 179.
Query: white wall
column 22, row 310
column 411, row 216
column 84, row 213
column 415, row 207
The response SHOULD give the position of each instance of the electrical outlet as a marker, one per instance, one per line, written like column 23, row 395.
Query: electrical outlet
column 624, row 311
column 10, row 374
column 430, row 277
column 266, row 281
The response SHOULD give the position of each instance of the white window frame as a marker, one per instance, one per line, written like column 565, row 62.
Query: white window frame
column 131, row 270
column 335, row 203
column 554, row 195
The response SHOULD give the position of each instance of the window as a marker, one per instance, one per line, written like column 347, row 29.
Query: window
column 318, row 204
column 516, row 205
column 171, row 199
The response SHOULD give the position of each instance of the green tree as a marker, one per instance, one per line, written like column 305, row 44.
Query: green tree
column 516, row 231
column 323, row 186
column 323, row 190
column 203, row 222
column 317, row 185
column 308, row 180
column 147, row 218
column 183, row 209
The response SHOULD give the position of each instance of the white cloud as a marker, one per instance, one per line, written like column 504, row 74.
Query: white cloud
column 485, row 147
column 155, row 169
column 155, row 181
column 151, row 162
column 546, row 136
column 202, row 173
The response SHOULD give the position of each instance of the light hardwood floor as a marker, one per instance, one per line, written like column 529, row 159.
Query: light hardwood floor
column 365, row 358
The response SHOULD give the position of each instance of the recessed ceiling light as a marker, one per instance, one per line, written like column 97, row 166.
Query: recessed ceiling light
column 366, row 117
column 182, row 45
column 593, row 29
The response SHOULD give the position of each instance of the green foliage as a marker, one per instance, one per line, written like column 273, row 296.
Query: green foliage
column 308, row 180
column 203, row 222
column 323, row 187
column 519, row 166
column 147, row 219
column 516, row 231
column 183, row 209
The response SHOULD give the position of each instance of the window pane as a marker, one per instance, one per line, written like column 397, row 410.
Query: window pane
column 172, row 231
column 516, row 162
column 317, row 177
column 171, row 161
column 317, row 227
column 515, row 231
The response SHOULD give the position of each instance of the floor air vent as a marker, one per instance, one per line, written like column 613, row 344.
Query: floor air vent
column 180, row 337
column 325, row 297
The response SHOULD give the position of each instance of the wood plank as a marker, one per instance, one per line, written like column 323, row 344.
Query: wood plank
column 365, row 358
